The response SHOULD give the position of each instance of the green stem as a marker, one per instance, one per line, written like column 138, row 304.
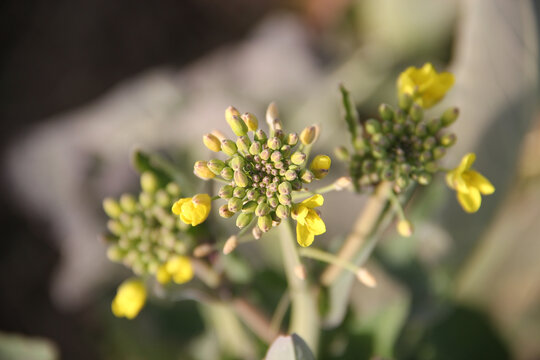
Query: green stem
column 304, row 314
column 304, row 194
column 397, row 206
column 326, row 257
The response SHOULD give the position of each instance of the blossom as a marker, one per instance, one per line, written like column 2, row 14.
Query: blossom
column 308, row 221
column 469, row 184
column 425, row 85
column 320, row 166
column 193, row 211
column 178, row 269
column 129, row 299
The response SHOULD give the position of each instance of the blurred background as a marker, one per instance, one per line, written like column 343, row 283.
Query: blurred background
column 83, row 82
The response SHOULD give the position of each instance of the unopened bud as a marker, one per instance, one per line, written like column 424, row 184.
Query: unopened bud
column 224, row 211
column 260, row 135
column 285, row 188
column 202, row 171
column 434, row 125
column 424, row 178
column 111, row 208
column 234, row 204
column 421, row 130
column 273, row 202
column 272, row 116
column 256, row 232
column 448, row 140
column 308, row 135
column 239, row 192
column 439, row 152
column 265, row 154
column 262, row 209
column 115, row 227
column 255, row 148
column 283, row 211
column 238, row 126
column 416, row 113
column 386, row 112
column 212, row 142
column 292, row 139
column 320, row 166
column 290, row 175
column 373, row 126
column 306, row 176
column 203, row 250
column 298, row 158
column 284, row 199
column 146, row 200
column 404, row 228
column 249, row 207
column 253, row 194
column 244, row 219
column 405, row 101
column 230, row 245
column 342, row 153
column 237, row 163
column 274, row 143
column 227, row 173
column 228, row 147
column 149, row 182
column 128, row 203
column 241, row 179
column 264, row 223
column 449, row 116
column 342, row 183
column 366, row 278
column 251, row 121
column 243, row 143
column 215, row 166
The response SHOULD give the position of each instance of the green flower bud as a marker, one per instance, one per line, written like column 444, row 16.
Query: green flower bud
column 283, row 212
column 373, row 126
column 380, row 140
column 212, row 142
column 424, row 178
column 273, row 202
column 386, row 112
column 243, row 143
column 239, row 192
column 264, row 223
column 429, row 143
column 260, row 135
column 285, row 188
column 400, row 116
column 425, row 156
column 262, row 209
column 229, row 147
column 402, row 182
column 434, row 125
column 237, row 163
column 449, row 116
column 235, row 204
column 226, row 192
column 163, row 199
column 292, row 139
column 448, row 140
column 405, row 101
column 253, row 194
column 244, row 220
column 387, row 173
column 173, row 189
column 230, row 112
column 308, row 135
column 224, row 211
column 238, row 126
column 146, row 200
column 439, row 152
column 405, row 169
column 255, row 148
column 249, row 207
column 298, row 158
column 227, row 173
column 241, row 179
column 215, row 166
column 115, row 227
column 128, row 203
column 416, row 113
column 421, row 130
column 274, row 143
column 378, row 152
column 398, row 129
column 410, row 126
column 342, row 153
column 265, row 154
column 386, row 126
column 251, row 121
column 284, row 199
column 276, row 156
column 306, row 176
column 111, row 208
column 290, row 175
column 149, row 182
column 114, row 253
column 368, row 166
column 431, row 167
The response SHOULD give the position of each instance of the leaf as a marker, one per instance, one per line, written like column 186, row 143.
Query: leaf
column 17, row 347
column 351, row 115
column 290, row 347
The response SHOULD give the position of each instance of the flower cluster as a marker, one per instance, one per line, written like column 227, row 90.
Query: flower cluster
column 144, row 235
column 260, row 172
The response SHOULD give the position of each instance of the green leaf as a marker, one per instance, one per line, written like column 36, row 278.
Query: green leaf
column 351, row 115
column 290, row 347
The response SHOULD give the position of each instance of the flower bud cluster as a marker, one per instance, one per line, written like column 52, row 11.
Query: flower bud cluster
column 402, row 146
column 261, row 170
column 144, row 234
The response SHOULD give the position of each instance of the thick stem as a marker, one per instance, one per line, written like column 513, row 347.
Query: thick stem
column 255, row 320
column 304, row 314
column 363, row 227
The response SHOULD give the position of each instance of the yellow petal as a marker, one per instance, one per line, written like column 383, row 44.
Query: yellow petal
column 162, row 275
column 129, row 299
column 466, row 162
column 456, row 181
column 478, row 181
column 314, row 223
column 303, row 235
column 199, row 214
column 180, row 269
column 470, row 201
column 177, row 206
column 299, row 213
column 314, row 201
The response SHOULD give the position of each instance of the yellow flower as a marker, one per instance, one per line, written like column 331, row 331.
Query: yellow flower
column 320, row 166
column 308, row 222
column 469, row 184
column 425, row 85
column 193, row 211
column 178, row 269
column 129, row 299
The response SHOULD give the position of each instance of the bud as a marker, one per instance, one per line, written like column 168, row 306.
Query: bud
column 128, row 203
column 114, row 253
column 425, row 156
column 145, row 199
column 404, row 228
column 290, row 175
column 434, row 125
column 243, row 143
column 234, row 204
column 251, row 121
column 256, row 232
column 292, row 139
column 115, row 227
column 298, row 158
column 320, row 166
column 244, row 219
column 386, row 112
column 424, row 178
column 416, row 113
column 366, row 278
column 448, row 140
column 249, row 207
column 230, row 245
column 241, row 179
column 421, row 130
column 273, row 202
column 378, row 152
column 252, row 194
column 283, row 211
column 212, row 142
column 431, row 167
column 274, row 143
column 306, row 176
column 228, row 147
column 342, row 183
column 429, row 143
column 308, row 135
column 284, row 199
column 373, row 126
column 262, row 209
column 342, row 153
column 224, row 211
column 162, row 198
column 260, row 135
column 400, row 116
column 215, row 166
column 227, row 173
column 285, row 188
column 264, row 223
column 439, row 152
column 255, row 148
column 405, row 101
column 387, row 173
column 173, row 189
column 237, row 163
column 238, row 126
column 203, row 250
column 449, row 116
column 111, row 208
column 149, row 182
column 276, row 156
column 201, row 170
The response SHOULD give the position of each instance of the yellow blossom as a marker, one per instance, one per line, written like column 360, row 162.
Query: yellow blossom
column 178, row 269
column 320, row 166
column 129, row 299
column 308, row 221
column 469, row 184
column 193, row 211
column 425, row 85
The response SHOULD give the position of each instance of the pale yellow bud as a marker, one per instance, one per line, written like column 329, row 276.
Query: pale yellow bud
column 230, row 245
column 309, row 135
column 201, row 170
column 342, row 183
column 405, row 228
column 212, row 142
column 203, row 250
column 366, row 278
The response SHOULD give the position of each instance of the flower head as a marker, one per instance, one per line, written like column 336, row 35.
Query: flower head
column 308, row 221
column 129, row 299
column 469, row 184
column 425, row 85
column 177, row 269
column 193, row 211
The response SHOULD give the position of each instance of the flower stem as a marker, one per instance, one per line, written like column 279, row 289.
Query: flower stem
column 326, row 257
column 255, row 320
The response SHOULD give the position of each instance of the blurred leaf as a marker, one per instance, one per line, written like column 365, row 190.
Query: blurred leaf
column 291, row 347
column 17, row 347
